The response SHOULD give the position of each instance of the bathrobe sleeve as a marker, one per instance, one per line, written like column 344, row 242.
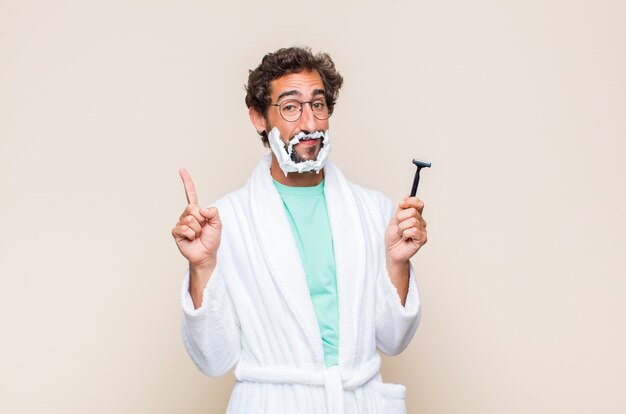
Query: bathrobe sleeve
column 211, row 333
column 395, row 324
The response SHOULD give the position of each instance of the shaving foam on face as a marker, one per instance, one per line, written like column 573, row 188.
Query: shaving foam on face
column 283, row 155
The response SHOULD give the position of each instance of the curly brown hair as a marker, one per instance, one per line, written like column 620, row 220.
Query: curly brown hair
column 285, row 61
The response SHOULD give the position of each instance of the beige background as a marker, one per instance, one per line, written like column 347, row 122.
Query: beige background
column 520, row 106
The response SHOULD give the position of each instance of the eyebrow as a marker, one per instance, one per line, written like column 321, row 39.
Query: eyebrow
column 297, row 93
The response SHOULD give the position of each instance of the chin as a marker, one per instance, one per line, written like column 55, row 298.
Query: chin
column 308, row 154
column 307, row 157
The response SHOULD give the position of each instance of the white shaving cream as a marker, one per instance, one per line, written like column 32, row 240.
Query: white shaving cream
column 283, row 155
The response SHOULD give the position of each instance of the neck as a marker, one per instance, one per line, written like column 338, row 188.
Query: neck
column 305, row 179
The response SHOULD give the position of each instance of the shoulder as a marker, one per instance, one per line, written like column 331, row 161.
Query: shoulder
column 235, row 214
column 369, row 201
column 232, row 202
column 369, row 195
column 240, row 198
column 374, row 201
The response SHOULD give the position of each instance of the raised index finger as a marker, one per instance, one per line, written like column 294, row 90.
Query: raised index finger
column 190, row 190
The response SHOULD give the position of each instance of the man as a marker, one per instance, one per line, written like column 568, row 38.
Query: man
column 295, row 279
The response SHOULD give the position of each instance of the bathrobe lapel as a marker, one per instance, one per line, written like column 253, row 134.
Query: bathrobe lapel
column 350, row 251
column 281, row 254
column 283, row 261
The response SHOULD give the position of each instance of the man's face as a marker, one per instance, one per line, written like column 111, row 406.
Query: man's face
column 303, row 86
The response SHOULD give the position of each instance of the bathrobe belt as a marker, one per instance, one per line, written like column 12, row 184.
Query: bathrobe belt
column 333, row 380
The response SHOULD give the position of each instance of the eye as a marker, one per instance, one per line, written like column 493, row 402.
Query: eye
column 318, row 105
column 290, row 107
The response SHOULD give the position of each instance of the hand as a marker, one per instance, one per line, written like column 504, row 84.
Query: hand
column 406, row 233
column 199, row 230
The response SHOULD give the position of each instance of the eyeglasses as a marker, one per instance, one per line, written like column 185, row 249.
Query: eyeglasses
column 291, row 109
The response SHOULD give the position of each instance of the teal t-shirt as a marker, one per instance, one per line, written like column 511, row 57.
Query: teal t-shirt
column 308, row 216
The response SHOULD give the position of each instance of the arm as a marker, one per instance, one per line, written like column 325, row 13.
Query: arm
column 210, row 326
column 211, row 332
column 399, row 276
column 198, row 278
column 396, row 322
column 397, row 304
column 405, row 235
column 198, row 234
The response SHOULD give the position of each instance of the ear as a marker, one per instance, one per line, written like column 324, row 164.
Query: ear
column 258, row 120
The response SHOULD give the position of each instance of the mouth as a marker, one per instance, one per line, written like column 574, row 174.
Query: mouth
column 306, row 146
column 307, row 139
column 292, row 157
column 307, row 142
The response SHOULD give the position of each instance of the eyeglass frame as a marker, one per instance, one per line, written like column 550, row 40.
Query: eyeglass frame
column 329, row 106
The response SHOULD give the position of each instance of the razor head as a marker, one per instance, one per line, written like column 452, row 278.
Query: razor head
column 416, row 180
column 421, row 164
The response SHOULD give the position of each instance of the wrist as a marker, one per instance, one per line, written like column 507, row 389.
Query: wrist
column 202, row 270
column 204, row 265
column 399, row 264
column 398, row 268
column 199, row 275
column 398, row 272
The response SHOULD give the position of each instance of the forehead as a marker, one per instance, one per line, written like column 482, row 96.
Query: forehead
column 305, row 83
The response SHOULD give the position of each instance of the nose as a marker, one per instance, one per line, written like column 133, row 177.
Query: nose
column 308, row 122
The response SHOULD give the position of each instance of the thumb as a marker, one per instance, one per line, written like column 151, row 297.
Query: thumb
column 211, row 214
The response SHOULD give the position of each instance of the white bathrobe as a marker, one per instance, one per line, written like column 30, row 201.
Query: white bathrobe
column 257, row 315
